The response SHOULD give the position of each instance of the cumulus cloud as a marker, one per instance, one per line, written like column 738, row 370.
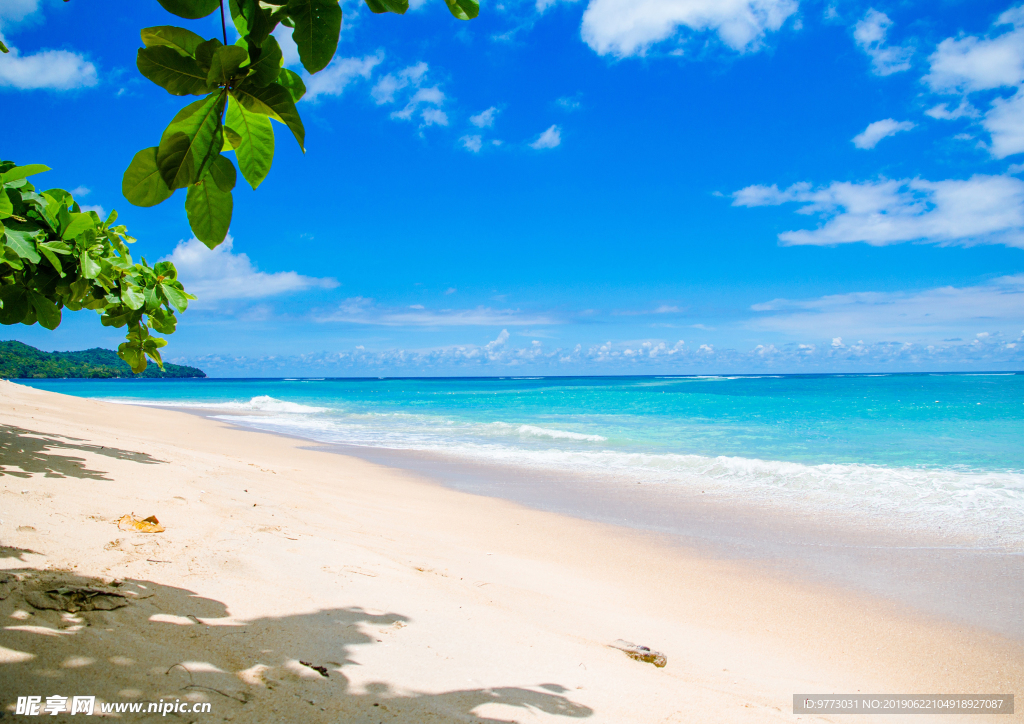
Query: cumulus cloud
column 979, row 210
column 386, row 88
column 484, row 119
column 219, row 274
column 426, row 102
column 630, row 27
column 333, row 79
column 549, row 139
column 941, row 111
column 47, row 69
column 1005, row 123
column 878, row 130
column 472, row 143
column 870, row 33
column 931, row 314
column 969, row 63
column 360, row 310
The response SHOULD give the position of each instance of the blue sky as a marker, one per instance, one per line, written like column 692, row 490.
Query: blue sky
column 595, row 187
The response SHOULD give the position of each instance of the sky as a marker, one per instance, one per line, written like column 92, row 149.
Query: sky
column 577, row 187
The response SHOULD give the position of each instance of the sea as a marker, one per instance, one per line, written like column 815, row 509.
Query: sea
column 906, row 485
column 911, row 451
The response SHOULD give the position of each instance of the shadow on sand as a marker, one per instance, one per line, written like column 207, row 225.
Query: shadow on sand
column 24, row 453
column 167, row 643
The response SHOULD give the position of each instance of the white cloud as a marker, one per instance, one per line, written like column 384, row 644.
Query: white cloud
column 931, row 314
column 49, row 69
column 629, row 27
column 17, row 10
column 549, row 139
column 289, row 50
column 389, row 85
column 219, row 274
column 569, row 103
column 1005, row 122
column 942, row 113
column 94, row 207
column 333, row 79
column 869, row 33
column 359, row 310
column 980, row 210
column 473, row 143
column 392, row 85
column 80, row 191
column 878, row 130
column 484, row 119
column 969, row 64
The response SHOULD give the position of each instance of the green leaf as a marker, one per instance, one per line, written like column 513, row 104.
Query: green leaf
column 21, row 239
column 132, row 354
column 133, row 297
column 293, row 83
column 179, row 75
column 231, row 139
column 183, row 41
column 275, row 101
column 79, row 223
column 175, row 296
column 209, row 212
column 268, row 67
column 20, row 172
column 6, row 207
column 255, row 149
column 256, row 21
column 46, row 311
column 3, row 48
column 222, row 171
column 388, row 6
column 15, row 304
column 190, row 141
column 90, row 268
column 464, row 9
column 205, row 51
column 163, row 321
column 50, row 249
column 142, row 183
column 317, row 27
column 191, row 9
column 225, row 63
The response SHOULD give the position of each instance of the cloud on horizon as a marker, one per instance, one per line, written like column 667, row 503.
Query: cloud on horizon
column 360, row 310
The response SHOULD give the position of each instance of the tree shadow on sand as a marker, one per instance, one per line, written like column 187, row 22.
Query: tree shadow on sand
column 24, row 453
column 167, row 643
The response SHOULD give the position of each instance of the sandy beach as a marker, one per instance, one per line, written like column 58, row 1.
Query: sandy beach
column 420, row 603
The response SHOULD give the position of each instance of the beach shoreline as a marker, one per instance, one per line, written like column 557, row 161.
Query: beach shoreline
column 432, row 603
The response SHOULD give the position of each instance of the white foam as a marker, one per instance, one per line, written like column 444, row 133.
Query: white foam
column 260, row 403
column 557, row 434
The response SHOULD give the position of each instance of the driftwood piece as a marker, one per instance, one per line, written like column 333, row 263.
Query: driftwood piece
column 640, row 653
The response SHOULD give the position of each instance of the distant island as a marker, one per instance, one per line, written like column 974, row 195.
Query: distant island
column 21, row 361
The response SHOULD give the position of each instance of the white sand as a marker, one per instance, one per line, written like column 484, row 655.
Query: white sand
column 424, row 604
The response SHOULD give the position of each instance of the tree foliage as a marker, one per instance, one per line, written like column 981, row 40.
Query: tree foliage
column 54, row 256
column 242, row 88
column 18, row 360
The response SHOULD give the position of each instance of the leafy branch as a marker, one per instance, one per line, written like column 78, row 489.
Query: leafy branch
column 244, row 87
column 55, row 256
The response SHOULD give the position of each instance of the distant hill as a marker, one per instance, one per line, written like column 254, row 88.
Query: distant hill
column 18, row 360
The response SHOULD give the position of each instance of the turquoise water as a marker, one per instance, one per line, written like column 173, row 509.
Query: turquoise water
column 935, row 452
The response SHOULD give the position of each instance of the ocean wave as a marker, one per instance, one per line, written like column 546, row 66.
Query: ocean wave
column 260, row 403
column 535, row 431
